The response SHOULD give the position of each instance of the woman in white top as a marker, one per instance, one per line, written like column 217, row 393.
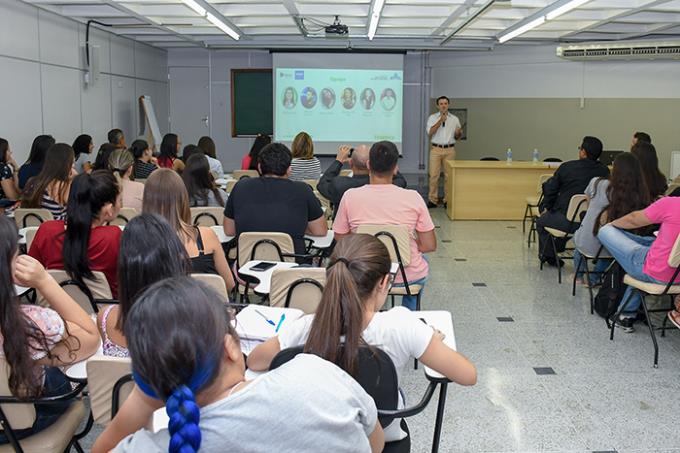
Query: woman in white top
column 122, row 162
column 196, row 370
column 304, row 165
column 357, row 282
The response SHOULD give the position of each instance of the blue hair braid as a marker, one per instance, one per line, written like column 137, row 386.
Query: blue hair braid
column 184, row 413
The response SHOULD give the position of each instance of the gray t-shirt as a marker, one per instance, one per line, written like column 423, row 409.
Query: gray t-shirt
column 584, row 238
column 307, row 406
column 211, row 200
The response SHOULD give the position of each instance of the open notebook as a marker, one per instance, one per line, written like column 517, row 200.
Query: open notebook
column 253, row 327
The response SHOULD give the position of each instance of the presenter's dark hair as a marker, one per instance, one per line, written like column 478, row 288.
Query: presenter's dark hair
column 649, row 163
column 260, row 142
column 115, row 136
column 176, row 364
column 142, row 263
column 39, row 148
column 169, row 146
column 383, row 157
column 643, row 137
column 274, row 159
column 81, row 145
column 89, row 193
column 207, row 144
column 592, row 146
column 138, row 147
column 442, row 97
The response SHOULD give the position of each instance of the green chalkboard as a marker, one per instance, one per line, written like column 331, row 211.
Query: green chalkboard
column 251, row 102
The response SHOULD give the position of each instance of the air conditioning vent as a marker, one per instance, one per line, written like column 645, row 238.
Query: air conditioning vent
column 647, row 50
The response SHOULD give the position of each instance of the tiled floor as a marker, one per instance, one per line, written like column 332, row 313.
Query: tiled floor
column 549, row 378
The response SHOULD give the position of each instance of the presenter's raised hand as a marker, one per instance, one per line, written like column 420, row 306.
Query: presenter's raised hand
column 343, row 154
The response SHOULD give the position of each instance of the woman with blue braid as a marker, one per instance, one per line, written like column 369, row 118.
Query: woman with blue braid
column 186, row 355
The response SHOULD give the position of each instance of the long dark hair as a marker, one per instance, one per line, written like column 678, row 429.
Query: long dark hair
column 260, row 142
column 199, row 181
column 649, row 162
column 4, row 147
column 81, row 145
column 18, row 331
column 189, row 151
column 175, row 333
column 89, row 194
column 207, row 144
column 56, row 168
column 627, row 191
column 169, row 146
column 356, row 266
column 39, row 148
column 101, row 162
column 142, row 263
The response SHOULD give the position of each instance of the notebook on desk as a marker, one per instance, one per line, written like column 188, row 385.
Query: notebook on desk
column 252, row 325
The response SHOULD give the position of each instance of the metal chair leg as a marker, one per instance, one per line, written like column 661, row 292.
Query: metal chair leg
column 557, row 259
column 441, row 404
column 651, row 332
column 624, row 304
column 590, row 285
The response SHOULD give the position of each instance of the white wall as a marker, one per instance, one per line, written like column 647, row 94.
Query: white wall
column 42, row 65
column 217, row 65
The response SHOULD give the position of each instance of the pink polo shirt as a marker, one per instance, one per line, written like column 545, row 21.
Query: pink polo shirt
column 665, row 211
column 387, row 204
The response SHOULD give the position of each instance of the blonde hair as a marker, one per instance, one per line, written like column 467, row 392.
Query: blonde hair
column 303, row 146
column 120, row 162
column 166, row 195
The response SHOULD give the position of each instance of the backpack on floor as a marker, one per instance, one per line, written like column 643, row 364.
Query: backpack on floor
column 610, row 294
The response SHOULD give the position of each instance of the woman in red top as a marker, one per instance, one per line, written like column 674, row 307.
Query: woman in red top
column 170, row 147
column 249, row 161
column 84, row 243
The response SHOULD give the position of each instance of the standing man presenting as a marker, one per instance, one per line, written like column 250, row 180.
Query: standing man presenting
column 443, row 129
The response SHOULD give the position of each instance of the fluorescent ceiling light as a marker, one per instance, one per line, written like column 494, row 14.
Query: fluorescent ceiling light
column 523, row 29
column 375, row 18
column 565, row 8
column 195, row 6
column 219, row 23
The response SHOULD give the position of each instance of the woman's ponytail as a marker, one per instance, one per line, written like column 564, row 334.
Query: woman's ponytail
column 184, row 414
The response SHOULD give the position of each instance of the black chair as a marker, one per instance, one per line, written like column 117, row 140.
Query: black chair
column 378, row 377
column 492, row 159
column 552, row 159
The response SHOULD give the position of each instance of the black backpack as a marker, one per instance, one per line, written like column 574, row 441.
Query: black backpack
column 610, row 294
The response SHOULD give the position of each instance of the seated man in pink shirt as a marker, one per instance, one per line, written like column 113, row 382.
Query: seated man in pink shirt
column 644, row 258
column 382, row 203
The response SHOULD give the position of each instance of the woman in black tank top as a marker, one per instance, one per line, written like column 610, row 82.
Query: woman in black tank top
column 204, row 263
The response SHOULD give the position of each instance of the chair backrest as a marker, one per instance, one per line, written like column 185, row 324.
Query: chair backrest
column 29, row 233
column 674, row 257
column 325, row 203
column 98, row 289
column 238, row 174
column 375, row 373
column 207, row 216
column 25, row 217
column 102, row 374
column 266, row 246
column 215, row 282
column 124, row 216
column 311, row 183
column 230, row 185
column 577, row 205
column 541, row 179
column 392, row 235
column 20, row 416
column 298, row 287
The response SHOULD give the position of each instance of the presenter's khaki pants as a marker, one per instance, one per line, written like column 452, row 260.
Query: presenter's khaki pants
column 437, row 158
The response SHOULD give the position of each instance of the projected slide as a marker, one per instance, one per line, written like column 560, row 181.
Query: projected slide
column 338, row 105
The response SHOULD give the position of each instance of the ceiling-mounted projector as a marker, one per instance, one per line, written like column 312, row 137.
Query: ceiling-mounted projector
column 337, row 28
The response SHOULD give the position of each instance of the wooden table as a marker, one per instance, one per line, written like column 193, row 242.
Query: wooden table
column 484, row 190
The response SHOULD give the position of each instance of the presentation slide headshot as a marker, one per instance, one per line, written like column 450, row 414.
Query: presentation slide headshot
column 308, row 97
column 328, row 98
column 388, row 99
column 289, row 98
column 349, row 98
column 367, row 98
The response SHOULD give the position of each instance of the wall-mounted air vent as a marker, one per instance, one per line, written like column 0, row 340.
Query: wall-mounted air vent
column 646, row 50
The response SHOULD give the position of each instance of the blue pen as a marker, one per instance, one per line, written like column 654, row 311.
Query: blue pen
column 283, row 317
column 265, row 318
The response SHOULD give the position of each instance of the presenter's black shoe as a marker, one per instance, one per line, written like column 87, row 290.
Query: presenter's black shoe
column 431, row 205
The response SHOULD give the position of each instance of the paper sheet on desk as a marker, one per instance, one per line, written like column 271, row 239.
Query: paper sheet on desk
column 251, row 327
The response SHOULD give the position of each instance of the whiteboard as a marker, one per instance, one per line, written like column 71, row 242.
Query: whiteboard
column 150, row 127
column 675, row 165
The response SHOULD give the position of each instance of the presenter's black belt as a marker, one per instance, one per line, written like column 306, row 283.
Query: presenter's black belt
column 450, row 145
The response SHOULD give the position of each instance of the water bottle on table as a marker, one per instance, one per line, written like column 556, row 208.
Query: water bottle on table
column 508, row 156
column 535, row 156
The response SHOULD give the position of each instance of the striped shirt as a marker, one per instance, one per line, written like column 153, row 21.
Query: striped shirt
column 49, row 203
column 302, row 169
column 143, row 169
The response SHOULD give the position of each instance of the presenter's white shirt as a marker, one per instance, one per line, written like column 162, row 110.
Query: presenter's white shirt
column 444, row 135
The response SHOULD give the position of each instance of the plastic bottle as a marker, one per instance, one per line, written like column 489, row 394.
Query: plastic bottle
column 535, row 156
column 508, row 156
